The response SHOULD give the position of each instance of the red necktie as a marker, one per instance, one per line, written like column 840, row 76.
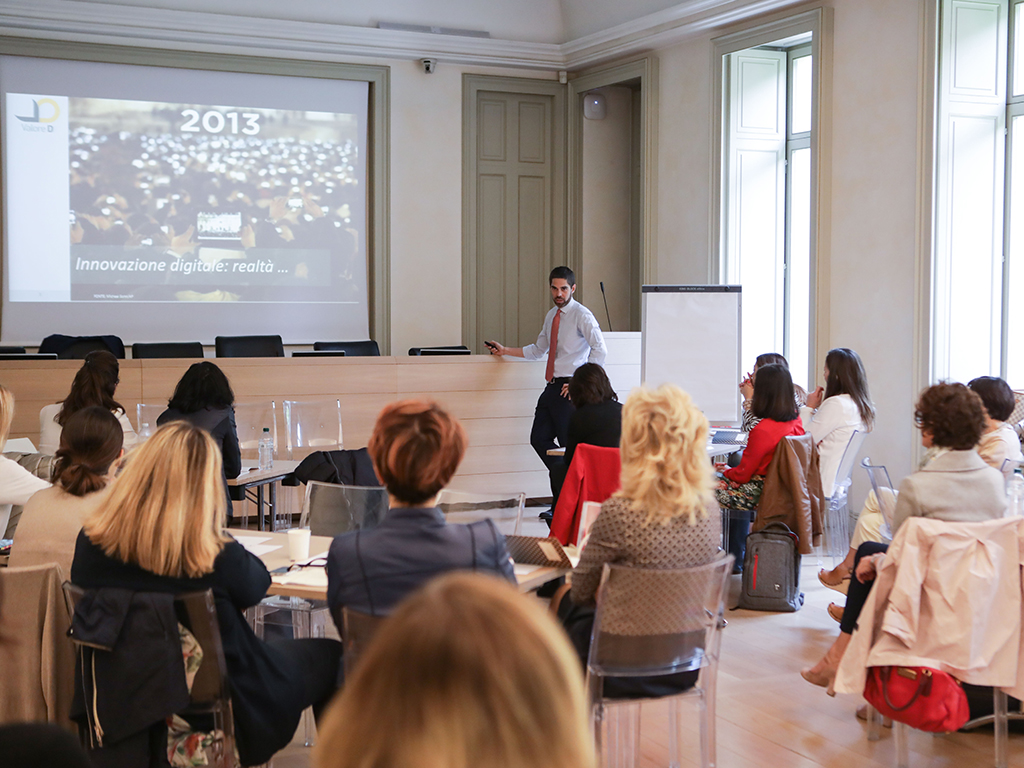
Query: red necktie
column 549, row 372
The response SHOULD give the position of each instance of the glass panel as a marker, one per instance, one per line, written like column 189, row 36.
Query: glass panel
column 798, row 329
column 1015, row 257
column 802, row 94
column 1018, row 47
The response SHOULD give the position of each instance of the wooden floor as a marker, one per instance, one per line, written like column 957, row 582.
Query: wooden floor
column 768, row 715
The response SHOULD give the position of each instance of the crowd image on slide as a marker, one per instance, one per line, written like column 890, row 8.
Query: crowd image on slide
column 177, row 202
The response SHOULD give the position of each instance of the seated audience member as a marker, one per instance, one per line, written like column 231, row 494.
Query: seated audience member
column 160, row 530
column 597, row 419
column 203, row 397
column 956, row 485
column 17, row 484
column 747, row 388
column 664, row 516
column 415, row 448
column 834, row 413
column 90, row 445
column 740, row 487
column 999, row 442
column 94, row 384
column 466, row 674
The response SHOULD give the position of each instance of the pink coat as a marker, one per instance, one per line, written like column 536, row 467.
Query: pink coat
column 948, row 596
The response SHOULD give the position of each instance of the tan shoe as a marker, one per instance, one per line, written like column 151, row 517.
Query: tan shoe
column 826, row 678
column 836, row 612
column 828, row 579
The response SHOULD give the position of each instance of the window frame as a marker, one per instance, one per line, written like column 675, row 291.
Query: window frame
column 817, row 22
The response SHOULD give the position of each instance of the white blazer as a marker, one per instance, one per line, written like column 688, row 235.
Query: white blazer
column 832, row 426
column 49, row 429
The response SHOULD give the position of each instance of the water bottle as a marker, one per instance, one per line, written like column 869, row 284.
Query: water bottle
column 266, row 448
column 1015, row 493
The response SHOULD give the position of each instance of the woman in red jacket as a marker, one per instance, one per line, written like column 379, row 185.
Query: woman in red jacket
column 740, row 488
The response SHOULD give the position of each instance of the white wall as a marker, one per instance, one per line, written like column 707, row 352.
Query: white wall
column 606, row 207
column 874, row 162
column 529, row 20
column 426, row 203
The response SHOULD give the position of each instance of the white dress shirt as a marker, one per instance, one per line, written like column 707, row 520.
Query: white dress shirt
column 832, row 426
column 17, row 485
column 49, row 429
column 579, row 340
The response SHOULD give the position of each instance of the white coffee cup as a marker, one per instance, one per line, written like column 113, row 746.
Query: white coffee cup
column 298, row 544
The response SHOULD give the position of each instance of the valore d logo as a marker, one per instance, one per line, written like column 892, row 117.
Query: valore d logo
column 32, row 123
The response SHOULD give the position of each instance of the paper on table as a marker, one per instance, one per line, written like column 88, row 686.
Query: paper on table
column 255, row 545
column 524, row 569
column 306, row 577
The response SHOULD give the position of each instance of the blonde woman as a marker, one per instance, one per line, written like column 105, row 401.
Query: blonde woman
column 665, row 515
column 160, row 530
column 17, row 484
column 467, row 673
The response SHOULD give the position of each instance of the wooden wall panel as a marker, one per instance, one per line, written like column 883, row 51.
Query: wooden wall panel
column 494, row 398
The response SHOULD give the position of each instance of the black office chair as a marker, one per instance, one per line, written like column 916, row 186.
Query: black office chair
column 77, row 347
column 12, row 350
column 167, row 349
column 366, row 348
column 249, row 346
column 459, row 349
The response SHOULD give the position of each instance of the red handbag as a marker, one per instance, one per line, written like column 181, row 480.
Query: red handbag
column 923, row 698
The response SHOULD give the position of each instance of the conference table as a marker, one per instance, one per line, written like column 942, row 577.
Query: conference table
column 252, row 477
column 714, row 450
column 310, row 582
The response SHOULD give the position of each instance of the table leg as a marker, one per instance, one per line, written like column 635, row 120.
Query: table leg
column 259, row 508
column 273, row 506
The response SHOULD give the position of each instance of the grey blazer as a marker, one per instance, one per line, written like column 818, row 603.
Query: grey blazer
column 956, row 486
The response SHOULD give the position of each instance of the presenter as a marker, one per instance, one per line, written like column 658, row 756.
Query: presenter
column 570, row 337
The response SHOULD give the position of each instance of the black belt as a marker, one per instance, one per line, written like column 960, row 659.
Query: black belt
column 560, row 380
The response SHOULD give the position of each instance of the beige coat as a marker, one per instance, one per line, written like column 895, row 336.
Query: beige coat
column 948, row 596
column 37, row 660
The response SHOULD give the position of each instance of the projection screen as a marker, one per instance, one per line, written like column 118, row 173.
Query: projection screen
column 167, row 204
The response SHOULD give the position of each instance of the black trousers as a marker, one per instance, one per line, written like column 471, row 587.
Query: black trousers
column 550, row 421
column 317, row 663
column 858, row 592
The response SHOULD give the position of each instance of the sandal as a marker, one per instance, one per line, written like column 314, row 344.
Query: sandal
column 839, row 586
column 836, row 612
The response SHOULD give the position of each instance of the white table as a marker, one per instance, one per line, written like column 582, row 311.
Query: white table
column 311, row 583
column 252, row 476
column 713, row 449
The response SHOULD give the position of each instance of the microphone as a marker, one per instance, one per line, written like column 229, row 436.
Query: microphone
column 609, row 314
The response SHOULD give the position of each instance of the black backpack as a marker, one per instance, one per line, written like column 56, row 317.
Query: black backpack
column 771, row 571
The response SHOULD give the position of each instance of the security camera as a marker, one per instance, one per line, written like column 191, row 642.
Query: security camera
column 429, row 65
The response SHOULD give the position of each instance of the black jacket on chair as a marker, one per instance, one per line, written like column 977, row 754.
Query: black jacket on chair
column 339, row 467
column 266, row 684
column 131, row 677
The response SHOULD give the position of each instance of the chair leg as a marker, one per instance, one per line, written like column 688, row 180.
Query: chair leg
column 675, row 757
column 902, row 748
column 999, row 704
column 708, row 730
column 874, row 724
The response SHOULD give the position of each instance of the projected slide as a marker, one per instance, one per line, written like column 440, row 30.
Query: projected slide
column 164, row 204
column 188, row 202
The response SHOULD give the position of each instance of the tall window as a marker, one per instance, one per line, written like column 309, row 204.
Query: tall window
column 978, row 269
column 766, row 234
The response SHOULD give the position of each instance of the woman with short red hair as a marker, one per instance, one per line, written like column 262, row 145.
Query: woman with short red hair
column 415, row 448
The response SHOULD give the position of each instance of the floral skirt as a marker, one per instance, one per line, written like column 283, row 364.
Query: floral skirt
column 746, row 495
